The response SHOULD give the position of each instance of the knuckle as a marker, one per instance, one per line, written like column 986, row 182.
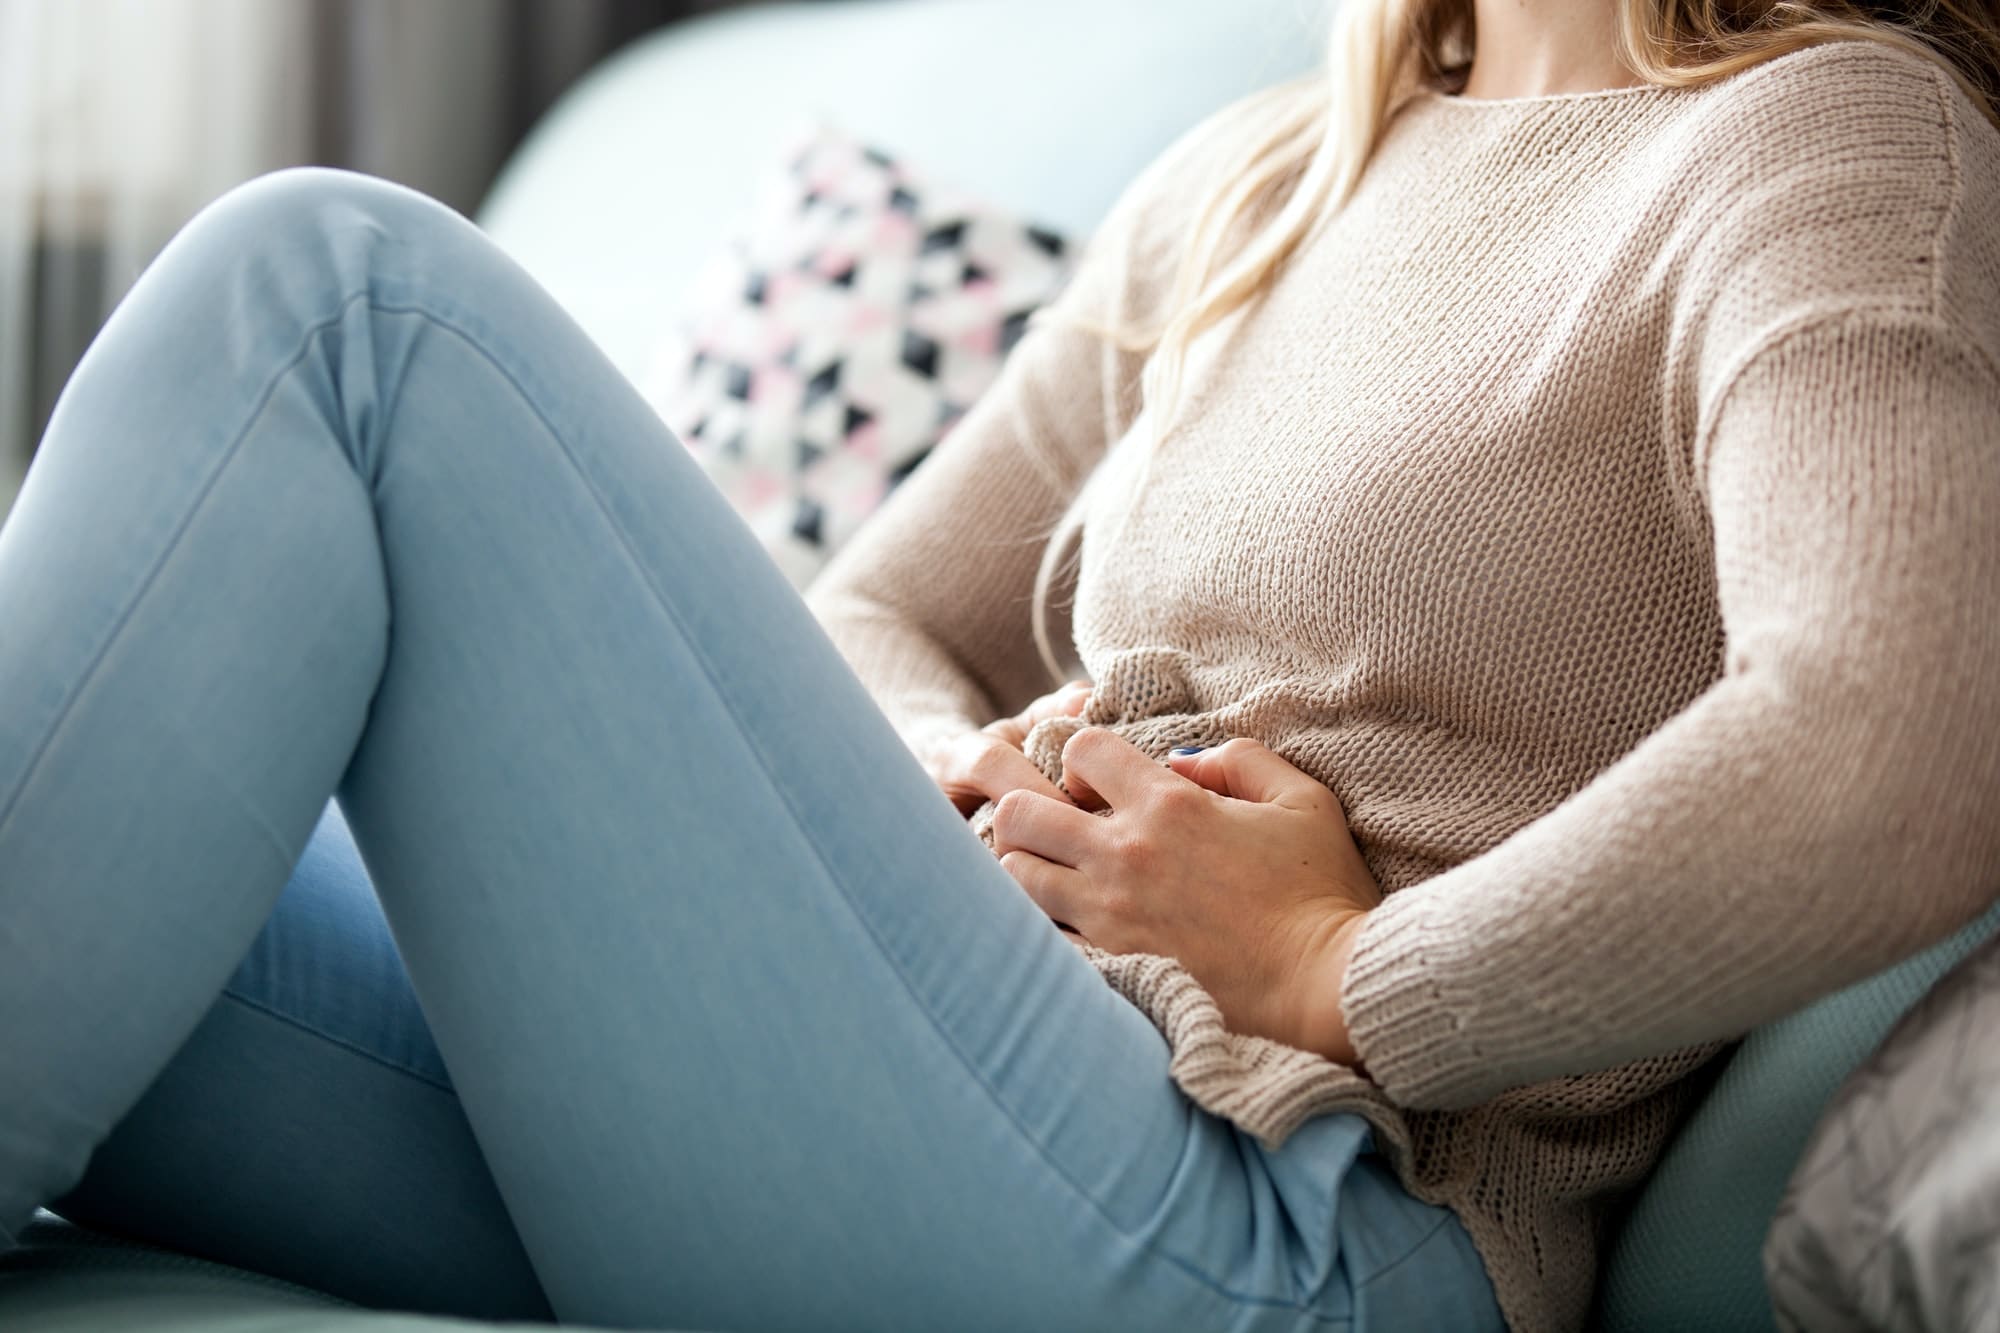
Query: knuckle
column 989, row 760
column 1135, row 855
column 1118, row 906
column 1010, row 807
column 1086, row 742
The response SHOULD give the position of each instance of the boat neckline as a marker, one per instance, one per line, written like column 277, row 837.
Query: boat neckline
column 1439, row 95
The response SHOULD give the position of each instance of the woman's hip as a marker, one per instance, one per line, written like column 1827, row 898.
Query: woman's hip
column 310, row 1130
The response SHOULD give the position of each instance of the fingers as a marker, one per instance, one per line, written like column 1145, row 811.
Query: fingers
column 1250, row 771
column 1012, row 730
column 1102, row 767
column 1053, row 830
column 1069, row 701
column 1058, row 890
column 1065, row 702
column 979, row 767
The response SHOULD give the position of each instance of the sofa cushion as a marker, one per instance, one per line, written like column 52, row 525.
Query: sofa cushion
column 66, row 1279
column 1687, row 1256
column 1050, row 107
column 1892, row 1219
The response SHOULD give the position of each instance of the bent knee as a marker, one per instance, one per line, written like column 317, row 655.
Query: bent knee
column 299, row 224
column 301, row 198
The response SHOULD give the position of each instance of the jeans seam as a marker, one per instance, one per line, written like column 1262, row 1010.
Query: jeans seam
column 65, row 710
column 860, row 918
column 343, row 1043
column 1405, row 1256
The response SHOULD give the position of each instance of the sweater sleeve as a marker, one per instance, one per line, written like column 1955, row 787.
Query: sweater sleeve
column 1830, row 805
column 930, row 603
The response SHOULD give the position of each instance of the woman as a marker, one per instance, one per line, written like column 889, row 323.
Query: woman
column 1538, row 627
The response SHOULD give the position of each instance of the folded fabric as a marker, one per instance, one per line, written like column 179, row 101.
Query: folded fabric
column 1892, row 1217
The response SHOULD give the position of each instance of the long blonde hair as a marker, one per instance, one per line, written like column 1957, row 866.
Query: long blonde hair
column 1381, row 53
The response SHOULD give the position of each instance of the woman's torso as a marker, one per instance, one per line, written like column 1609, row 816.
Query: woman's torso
column 1425, row 524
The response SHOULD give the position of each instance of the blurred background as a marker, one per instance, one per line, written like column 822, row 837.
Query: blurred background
column 120, row 118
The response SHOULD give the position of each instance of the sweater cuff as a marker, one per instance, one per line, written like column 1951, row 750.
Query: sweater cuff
column 1405, row 1029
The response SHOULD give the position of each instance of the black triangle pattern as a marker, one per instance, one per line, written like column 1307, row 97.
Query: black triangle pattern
column 858, row 325
column 808, row 521
column 900, row 473
column 945, row 236
column 822, row 384
column 1012, row 328
column 920, row 354
column 1051, row 244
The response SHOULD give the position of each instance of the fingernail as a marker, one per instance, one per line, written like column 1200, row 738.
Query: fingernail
column 1187, row 749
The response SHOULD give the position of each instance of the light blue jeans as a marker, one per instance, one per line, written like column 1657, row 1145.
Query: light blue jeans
column 744, row 1028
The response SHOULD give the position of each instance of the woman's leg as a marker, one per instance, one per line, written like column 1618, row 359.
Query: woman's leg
column 314, row 1078
column 749, row 1027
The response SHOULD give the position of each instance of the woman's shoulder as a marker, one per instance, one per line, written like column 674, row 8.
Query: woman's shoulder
column 1841, row 114
column 1847, row 183
column 1846, row 176
column 1849, row 67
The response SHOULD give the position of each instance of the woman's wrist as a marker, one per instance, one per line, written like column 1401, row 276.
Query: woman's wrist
column 1323, row 1019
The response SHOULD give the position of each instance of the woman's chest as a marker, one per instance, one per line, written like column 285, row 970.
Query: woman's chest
column 1457, row 481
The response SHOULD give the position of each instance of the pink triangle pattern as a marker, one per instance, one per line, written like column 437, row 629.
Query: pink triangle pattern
column 850, row 325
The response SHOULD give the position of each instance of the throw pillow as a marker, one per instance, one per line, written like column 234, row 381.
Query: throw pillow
column 858, row 315
column 1892, row 1218
column 1686, row 1258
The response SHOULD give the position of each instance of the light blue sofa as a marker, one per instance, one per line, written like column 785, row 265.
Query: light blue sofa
column 1046, row 106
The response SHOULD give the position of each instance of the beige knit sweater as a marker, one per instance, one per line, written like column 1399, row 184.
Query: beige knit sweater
column 1605, row 504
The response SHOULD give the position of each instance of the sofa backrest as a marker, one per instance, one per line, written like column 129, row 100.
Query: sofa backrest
column 1047, row 107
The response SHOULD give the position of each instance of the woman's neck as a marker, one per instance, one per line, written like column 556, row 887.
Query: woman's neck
column 1535, row 48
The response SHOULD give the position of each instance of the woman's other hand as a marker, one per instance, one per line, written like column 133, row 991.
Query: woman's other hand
column 1230, row 860
column 985, row 765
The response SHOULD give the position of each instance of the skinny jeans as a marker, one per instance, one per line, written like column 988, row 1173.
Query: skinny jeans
column 443, row 862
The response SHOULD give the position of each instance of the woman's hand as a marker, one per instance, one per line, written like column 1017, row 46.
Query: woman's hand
column 1230, row 860
column 985, row 765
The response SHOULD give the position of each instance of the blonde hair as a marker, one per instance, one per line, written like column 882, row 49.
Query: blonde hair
column 1382, row 52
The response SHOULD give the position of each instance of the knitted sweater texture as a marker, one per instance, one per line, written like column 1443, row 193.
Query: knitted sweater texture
column 1605, row 504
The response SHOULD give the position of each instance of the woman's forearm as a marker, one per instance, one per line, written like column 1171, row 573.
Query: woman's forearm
column 1825, row 809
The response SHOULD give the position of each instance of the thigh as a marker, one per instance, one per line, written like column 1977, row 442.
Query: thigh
column 753, row 1030
column 750, row 1029
column 308, row 1128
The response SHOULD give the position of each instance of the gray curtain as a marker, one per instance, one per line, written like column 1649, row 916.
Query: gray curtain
column 435, row 93
column 121, row 118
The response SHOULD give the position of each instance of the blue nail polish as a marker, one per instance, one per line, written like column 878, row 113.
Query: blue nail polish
column 1187, row 749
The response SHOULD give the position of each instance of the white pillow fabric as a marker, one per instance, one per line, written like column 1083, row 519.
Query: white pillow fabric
column 1892, row 1216
column 841, row 336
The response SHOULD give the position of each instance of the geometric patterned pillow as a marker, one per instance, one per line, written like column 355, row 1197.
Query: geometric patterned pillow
column 841, row 335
